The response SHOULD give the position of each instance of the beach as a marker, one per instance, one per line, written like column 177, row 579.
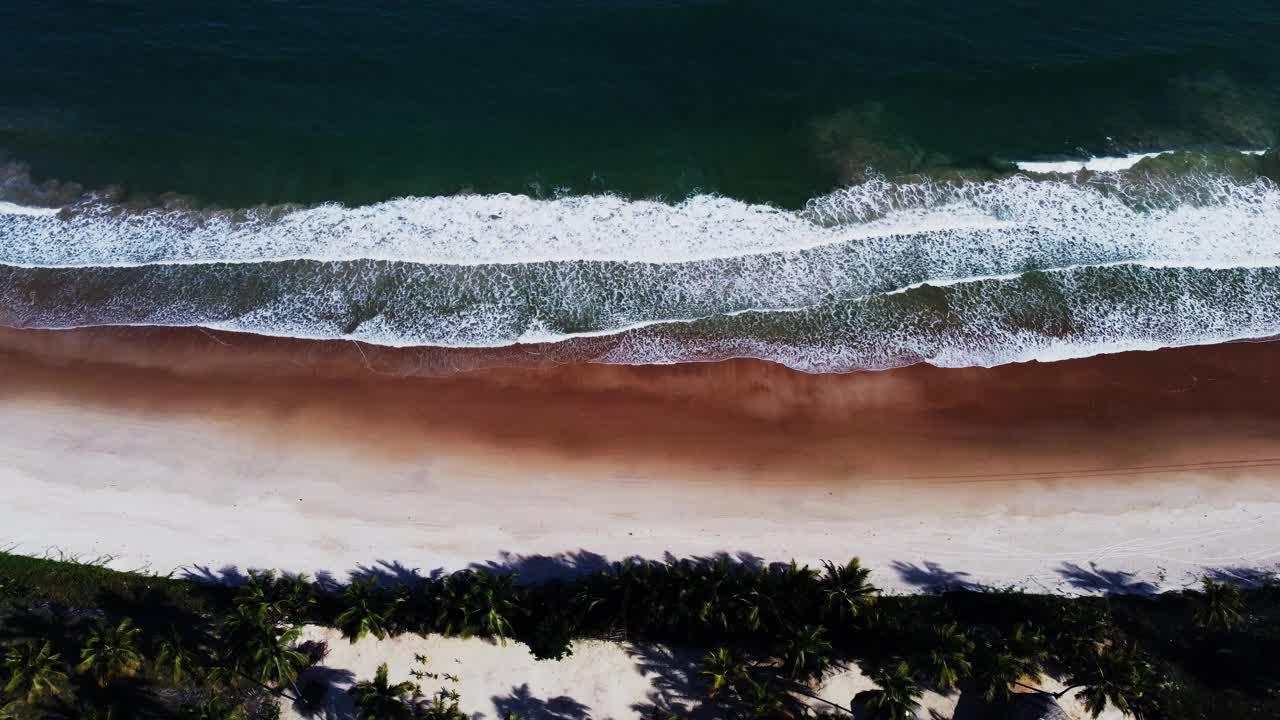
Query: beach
column 600, row 678
column 192, row 451
column 989, row 310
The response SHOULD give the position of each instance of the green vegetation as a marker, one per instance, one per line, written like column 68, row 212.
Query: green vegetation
column 79, row 640
column 896, row 697
column 378, row 699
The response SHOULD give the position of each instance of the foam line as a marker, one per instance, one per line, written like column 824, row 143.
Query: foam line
column 1098, row 164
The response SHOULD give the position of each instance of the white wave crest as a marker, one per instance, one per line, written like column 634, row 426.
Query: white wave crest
column 1218, row 218
column 492, row 271
column 1098, row 164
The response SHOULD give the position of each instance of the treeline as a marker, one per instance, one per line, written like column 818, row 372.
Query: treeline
column 83, row 641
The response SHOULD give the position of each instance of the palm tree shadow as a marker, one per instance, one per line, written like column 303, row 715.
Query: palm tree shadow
column 324, row 693
column 391, row 574
column 932, row 577
column 1104, row 582
column 1245, row 577
column 743, row 558
column 229, row 575
column 521, row 702
column 677, row 686
column 571, row 565
column 545, row 568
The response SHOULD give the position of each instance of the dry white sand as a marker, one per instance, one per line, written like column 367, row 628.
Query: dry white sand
column 177, row 493
column 599, row 680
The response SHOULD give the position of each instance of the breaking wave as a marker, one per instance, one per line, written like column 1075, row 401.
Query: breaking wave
column 877, row 275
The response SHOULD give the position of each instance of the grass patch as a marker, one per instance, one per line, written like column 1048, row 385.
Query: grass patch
column 75, row 583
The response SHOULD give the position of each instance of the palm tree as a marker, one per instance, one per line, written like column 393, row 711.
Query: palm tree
column 1017, row 658
column 947, row 659
column 790, row 593
column 367, row 611
column 896, row 697
column 763, row 701
column 710, row 591
column 477, row 603
column 806, row 652
column 723, row 670
column 254, row 647
column 998, row 676
column 282, row 599
column 846, row 588
column 1115, row 672
column 35, row 671
column 174, row 659
column 378, row 699
column 606, row 596
column 443, row 706
column 1220, row 605
column 111, row 651
column 273, row 660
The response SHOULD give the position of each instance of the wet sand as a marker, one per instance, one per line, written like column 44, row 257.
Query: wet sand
column 170, row 448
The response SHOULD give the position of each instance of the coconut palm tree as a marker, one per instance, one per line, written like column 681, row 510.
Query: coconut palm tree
column 35, row 671
column 806, row 653
column 722, row 670
column 477, row 603
column 1118, row 672
column 847, row 589
column 367, row 612
column 762, row 700
column 175, row 659
column 710, row 592
column 896, row 697
column 790, row 592
column 442, row 706
column 273, row 661
column 378, row 699
column 947, row 659
column 1014, row 660
column 281, row 598
column 1220, row 605
column 603, row 599
column 111, row 651
column 251, row 646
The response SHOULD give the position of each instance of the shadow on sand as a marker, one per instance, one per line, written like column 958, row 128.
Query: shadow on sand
column 933, row 578
column 1104, row 582
column 522, row 703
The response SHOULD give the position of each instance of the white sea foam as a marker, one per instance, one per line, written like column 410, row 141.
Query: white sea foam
column 704, row 279
column 463, row 230
column 509, row 229
column 1098, row 164
column 8, row 208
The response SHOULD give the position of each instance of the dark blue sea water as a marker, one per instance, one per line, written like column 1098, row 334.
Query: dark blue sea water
column 241, row 103
column 833, row 185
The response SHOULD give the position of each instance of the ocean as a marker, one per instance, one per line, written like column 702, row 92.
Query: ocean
column 833, row 186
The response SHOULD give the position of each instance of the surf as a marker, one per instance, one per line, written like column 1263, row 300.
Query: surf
column 829, row 287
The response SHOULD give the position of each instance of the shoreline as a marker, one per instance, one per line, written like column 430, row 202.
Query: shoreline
column 190, row 448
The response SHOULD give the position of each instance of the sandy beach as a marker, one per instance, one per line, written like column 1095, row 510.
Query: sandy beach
column 210, row 452
column 600, row 679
